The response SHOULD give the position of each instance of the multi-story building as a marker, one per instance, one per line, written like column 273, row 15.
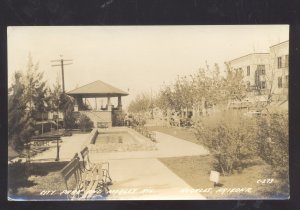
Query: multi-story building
column 265, row 73
column 279, row 70
column 254, row 68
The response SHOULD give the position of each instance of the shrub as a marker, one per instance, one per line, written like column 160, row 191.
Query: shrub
column 118, row 119
column 273, row 142
column 85, row 123
column 231, row 138
column 138, row 120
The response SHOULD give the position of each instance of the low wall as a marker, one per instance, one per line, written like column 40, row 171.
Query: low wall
column 93, row 136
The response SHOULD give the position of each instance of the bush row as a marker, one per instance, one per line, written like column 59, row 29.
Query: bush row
column 237, row 141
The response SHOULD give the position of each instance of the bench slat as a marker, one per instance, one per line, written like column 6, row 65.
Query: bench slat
column 69, row 169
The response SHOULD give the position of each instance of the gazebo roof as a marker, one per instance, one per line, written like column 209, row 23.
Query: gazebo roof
column 97, row 89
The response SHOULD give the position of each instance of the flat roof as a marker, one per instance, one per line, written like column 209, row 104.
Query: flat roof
column 246, row 56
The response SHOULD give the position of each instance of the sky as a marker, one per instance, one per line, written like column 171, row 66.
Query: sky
column 135, row 59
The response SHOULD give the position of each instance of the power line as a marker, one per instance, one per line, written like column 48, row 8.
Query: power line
column 61, row 63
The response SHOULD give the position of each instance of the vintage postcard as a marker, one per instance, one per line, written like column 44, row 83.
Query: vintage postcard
column 148, row 112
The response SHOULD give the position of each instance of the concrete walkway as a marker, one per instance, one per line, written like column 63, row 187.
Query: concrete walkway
column 147, row 179
column 69, row 146
column 141, row 176
column 136, row 175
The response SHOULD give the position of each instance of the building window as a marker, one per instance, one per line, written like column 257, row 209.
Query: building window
column 279, row 62
column 248, row 85
column 248, row 70
column 286, row 63
column 286, row 82
column 279, row 82
column 261, row 69
column 263, row 85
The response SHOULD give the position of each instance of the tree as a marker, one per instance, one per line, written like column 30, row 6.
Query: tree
column 35, row 92
column 66, row 104
column 141, row 104
column 164, row 99
column 234, row 86
column 61, row 102
column 20, row 125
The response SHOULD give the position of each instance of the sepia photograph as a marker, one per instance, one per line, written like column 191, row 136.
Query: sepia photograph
column 190, row 112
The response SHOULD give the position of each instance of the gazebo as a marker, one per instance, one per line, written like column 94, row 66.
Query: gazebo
column 104, row 115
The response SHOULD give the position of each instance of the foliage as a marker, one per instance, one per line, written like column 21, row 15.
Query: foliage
column 273, row 142
column 28, row 99
column 66, row 104
column 231, row 138
column 234, row 86
column 203, row 89
column 142, row 103
column 35, row 92
column 20, row 125
column 85, row 123
column 118, row 118
column 138, row 120
column 236, row 140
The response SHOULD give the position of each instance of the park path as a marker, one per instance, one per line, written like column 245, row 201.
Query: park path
column 69, row 146
column 141, row 176
column 147, row 179
column 137, row 175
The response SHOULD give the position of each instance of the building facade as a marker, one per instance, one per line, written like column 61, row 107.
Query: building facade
column 254, row 68
column 279, row 64
column 265, row 73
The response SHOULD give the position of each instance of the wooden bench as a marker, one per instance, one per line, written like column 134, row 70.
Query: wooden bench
column 44, row 140
column 38, row 144
column 87, row 185
column 103, row 124
column 89, row 166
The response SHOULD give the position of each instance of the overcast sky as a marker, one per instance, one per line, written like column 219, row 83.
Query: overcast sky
column 138, row 58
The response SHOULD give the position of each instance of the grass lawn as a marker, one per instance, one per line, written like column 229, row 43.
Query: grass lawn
column 195, row 170
column 182, row 133
column 29, row 181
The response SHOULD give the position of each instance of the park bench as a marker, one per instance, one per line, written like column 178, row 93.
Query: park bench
column 103, row 124
column 87, row 185
column 41, row 142
column 38, row 144
column 89, row 166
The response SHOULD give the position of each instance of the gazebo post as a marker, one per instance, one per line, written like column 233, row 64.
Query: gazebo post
column 119, row 103
column 108, row 104
column 95, row 103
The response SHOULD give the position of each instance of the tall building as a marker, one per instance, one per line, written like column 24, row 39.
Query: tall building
column 265, row 73
column 279, row 66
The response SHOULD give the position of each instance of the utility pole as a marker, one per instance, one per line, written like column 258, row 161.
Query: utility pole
column 62, row 64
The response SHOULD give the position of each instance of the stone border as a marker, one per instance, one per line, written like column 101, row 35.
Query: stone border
column 93, row 136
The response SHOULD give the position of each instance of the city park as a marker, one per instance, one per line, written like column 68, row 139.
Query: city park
column 187, row 141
